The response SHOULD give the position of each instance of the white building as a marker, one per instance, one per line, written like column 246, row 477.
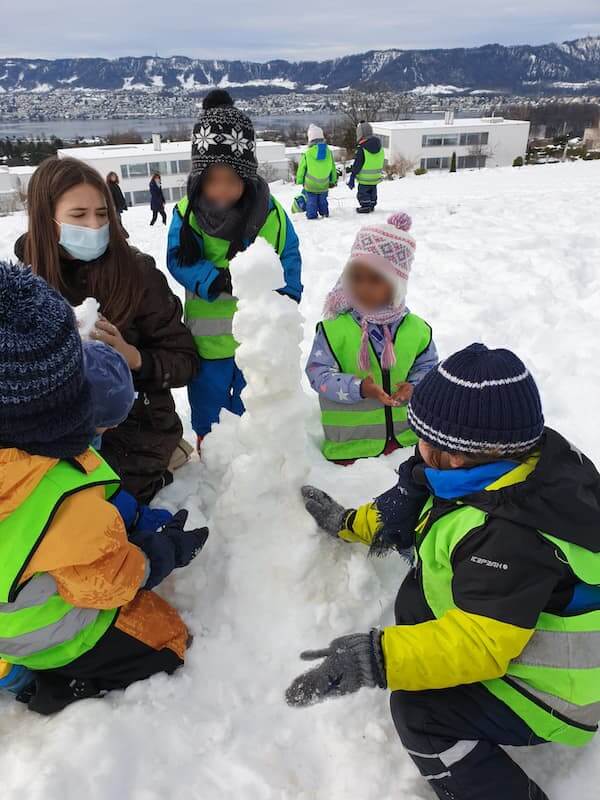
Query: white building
column 477, row 142
column 135, row 164
column 13, row 187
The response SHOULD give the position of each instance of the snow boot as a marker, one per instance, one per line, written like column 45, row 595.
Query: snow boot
column 181, row 455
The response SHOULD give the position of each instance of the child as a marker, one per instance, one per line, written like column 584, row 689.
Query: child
column 367, row 169
column 73, row 589
column 226, row 208
column 317, row 173
column 497, row 635
column 370, row 351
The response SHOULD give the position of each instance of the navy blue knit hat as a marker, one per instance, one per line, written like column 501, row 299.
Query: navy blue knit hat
column 45, row 403
column 478, row 401
column 110, row 382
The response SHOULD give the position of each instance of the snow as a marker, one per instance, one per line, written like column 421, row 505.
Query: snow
column 506, row 256
column 87, row 314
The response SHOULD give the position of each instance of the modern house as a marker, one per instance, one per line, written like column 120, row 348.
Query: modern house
column 135, row 164
column 477, row 142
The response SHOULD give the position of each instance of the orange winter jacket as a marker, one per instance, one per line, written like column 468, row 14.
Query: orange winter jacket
column 87, row 552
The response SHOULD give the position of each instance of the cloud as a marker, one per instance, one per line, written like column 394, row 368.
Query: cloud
column 266, row 29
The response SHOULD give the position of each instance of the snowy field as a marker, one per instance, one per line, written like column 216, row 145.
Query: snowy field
column 508, row 257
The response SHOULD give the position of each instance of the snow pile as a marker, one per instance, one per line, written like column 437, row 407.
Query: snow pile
column 87, row 315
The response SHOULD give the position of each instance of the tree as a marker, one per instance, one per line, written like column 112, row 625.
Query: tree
column 453, row 163
column 368, row 103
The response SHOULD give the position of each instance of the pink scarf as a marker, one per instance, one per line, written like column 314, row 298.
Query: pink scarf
column 338, row 302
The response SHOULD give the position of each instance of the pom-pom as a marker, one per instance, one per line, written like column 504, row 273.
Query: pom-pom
column 400, row 220
column 218, row 98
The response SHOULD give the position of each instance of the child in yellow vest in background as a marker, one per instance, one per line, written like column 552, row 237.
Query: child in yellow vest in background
column 317, row 173
column 370, row 351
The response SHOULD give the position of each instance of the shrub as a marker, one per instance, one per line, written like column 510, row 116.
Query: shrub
column 518, row 162
column 420, row 171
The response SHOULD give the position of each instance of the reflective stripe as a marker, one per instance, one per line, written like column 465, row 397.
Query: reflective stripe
column 437, row 777
column 34, row 593
column 453, row 754
column 210, row 327
column 367, row 404
column 43, row 638
column 584, row 715
column 400, row 426
column 370, row 172
column 339, row 433
column 319, row 181
column 562, row 650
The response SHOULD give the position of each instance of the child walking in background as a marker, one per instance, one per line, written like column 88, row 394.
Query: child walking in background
column 227, row 207
column 74, row 592
column 367, row 169
column 370, row 351
column 497, row 635
column 317, row 173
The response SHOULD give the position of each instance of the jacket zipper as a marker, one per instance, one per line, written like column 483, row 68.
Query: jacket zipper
column 389, row 419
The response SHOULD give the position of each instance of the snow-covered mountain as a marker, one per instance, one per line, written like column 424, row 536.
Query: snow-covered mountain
column 521, row 68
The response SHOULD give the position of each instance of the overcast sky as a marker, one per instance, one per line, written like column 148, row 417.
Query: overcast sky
column 292, row 29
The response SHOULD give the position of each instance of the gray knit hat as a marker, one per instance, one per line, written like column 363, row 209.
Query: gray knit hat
column 363, row 131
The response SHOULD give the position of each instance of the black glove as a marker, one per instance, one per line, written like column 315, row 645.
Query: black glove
column 222, row 283
column 329, row 515
column 169, row 547
column 351, row 662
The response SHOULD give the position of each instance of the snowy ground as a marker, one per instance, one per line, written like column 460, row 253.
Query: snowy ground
column 509, row 257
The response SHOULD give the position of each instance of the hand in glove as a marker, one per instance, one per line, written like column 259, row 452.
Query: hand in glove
column 329, row 515
column 222, row 283
column 350, row 183
column 350, row 662
column 169, row 548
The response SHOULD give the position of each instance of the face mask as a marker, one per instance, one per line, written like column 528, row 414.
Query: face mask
column 84, row 244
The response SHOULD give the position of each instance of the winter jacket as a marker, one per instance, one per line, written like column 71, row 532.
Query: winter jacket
column 199, row 277
column 505, row 574
column 157, row 198
column 118, row 197
column 139, row 450
column 317, row 171
column 326, row 379
column 85, row 549
column 373, row 145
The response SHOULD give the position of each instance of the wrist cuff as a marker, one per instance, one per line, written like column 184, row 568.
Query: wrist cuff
column 378, row 663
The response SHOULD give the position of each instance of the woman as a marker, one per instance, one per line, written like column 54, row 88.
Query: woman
column 157, row 199
column 76, row 244
column 112, row 181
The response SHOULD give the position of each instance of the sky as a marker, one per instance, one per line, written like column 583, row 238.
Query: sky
column 261, row 30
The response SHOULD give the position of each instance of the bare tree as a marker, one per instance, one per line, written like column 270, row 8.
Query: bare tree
column 368, row 102
column 399, row 167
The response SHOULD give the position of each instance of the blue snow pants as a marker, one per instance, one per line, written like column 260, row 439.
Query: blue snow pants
column 217, row 385
column 367, row 196
column 317, row 205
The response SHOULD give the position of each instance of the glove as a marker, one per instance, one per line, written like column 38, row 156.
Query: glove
column 169, row 547
column 222, row 283
column 329, row 515
column 351, row 662
column 350, row 183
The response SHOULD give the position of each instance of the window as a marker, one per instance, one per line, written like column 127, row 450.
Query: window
column 185, row 166
column 471, row 162
column 174, row 168
column 440, row 140
column 137, row 170
column 141, row 198
column 385, row 140
column 128, row 198
column 124, row 171
column 159, row 166
column 435, row 163
column 177, row 192
column 474, row 139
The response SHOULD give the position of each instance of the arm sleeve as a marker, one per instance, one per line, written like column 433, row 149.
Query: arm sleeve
column 196, row 277
column 425, row 362
column 359, row 160
column 169, row 356
column 301, row 173
column 333, row 177
column 325, row 377
column 291, row 261
column 362, row 525
column 504, row 576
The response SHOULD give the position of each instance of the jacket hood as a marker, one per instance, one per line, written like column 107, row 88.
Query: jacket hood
column 372, row 144
column 560, row 497
column 20, row 473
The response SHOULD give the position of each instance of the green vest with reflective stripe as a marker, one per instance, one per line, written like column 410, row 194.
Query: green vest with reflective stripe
column 211, row 321
column 318, row 173
column 554, row 685
column 371, row 172
column 38, row 628
column 362, row 430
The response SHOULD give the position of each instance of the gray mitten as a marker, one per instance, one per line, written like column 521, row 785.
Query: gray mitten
column 351, row 662
column 329, row 515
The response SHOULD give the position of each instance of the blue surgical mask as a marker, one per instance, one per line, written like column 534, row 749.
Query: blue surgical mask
column 84, row 244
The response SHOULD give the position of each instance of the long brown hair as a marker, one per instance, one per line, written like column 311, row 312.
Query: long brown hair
column 115, row 280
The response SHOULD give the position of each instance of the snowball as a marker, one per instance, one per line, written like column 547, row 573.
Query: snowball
column 87, row 314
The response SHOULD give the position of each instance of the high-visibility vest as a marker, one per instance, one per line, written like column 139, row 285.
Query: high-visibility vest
column 554, row 685
column 318, row 174
column 362, row 430
column 371, row 172
column 211, row 322
column 38, row 628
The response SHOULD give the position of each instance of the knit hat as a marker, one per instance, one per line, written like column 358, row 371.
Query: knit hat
column 389, row 250
column 223, row 135
column 478, row 401
column 314, row 133
column 110, row 382
column 363, row 131
column 45, row 403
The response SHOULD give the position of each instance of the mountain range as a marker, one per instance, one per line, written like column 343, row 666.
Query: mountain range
column 522, row 69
